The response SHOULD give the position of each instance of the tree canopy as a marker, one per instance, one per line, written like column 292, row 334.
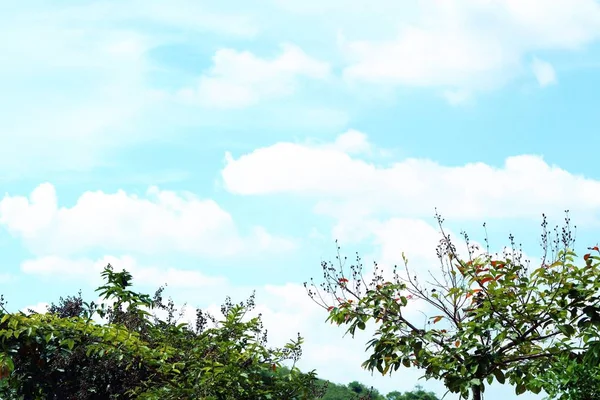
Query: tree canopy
column 68, row 354
column 490, row 317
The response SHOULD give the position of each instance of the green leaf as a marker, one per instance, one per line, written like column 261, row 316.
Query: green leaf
column 499, row 376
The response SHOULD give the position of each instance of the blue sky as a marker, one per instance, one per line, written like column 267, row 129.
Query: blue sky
column 222, row 146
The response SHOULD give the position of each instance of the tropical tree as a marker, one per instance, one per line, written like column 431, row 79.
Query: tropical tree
column 494, row 318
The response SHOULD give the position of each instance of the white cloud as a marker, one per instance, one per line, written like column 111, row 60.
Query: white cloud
column 80, row 84
column 470, row 45
column 321, row 167
column 352, row 142
column 65, row 268
column 544, row 72
column 162, row 221
column 344, row 186
column 240, row 78
column 74, row 90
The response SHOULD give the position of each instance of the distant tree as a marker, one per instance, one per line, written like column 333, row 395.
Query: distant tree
column 357, row 387
column 353, row 391
column 495, row 319
column 417, row 394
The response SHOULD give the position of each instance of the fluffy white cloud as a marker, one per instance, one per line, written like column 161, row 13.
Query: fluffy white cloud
column 544, row 72
column 473, row 44
column 240, row 78
column 345, row 186
column 352, row 142
column 161, row 221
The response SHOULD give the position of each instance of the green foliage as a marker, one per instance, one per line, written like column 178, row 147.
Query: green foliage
column 417, row 394
column 495, row 318
column 357, row 391
column 572, row 379
column 65, row 354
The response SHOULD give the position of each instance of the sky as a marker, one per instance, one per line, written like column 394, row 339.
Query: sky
column 222, row 147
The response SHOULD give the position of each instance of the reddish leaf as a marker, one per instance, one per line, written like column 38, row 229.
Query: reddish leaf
column 585, row 257
column 437, row 319
column 457, row 343
column 596, row 248
column 274, row 367
column 330, row 308
column 484, row 280
column 343, row 280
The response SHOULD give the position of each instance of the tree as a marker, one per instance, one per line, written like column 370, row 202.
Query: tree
column 495, row 318
column 363, row 392
column 353, row 391
column 65, row 354
column 417, row 394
